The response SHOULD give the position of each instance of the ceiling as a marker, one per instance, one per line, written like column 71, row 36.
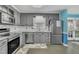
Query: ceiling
column 44, row 8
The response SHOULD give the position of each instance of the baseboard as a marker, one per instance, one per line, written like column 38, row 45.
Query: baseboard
column 66, row 45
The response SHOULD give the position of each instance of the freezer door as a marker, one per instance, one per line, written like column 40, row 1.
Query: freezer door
column 56, row 39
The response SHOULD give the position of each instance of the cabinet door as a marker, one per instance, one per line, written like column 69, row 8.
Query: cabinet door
column 3, row 49
column 3, row 46
column 4, row 8
column 44, row 38
column 41, row 38
column 23, row 20
column 0, row 7
column 29, row 20
column 26, row 19
column 36, row 38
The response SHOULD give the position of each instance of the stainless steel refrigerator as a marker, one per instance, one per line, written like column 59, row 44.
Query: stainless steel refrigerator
column 56, row 32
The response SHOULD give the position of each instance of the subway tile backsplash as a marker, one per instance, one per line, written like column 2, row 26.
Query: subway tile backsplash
column 17, row 28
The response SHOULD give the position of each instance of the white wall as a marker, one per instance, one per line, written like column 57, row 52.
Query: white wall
column 73, row 10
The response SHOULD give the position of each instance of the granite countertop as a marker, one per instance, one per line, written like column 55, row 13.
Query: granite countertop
column 2, row 38
column 10, row 36
column 20, row 31
column 16, row 32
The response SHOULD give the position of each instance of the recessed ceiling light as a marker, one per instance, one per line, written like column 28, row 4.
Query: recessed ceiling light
column 36, row 6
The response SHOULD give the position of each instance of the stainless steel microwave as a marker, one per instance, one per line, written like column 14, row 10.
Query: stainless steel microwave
column 6, row 19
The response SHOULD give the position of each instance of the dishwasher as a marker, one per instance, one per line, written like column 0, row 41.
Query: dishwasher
column 29, row 38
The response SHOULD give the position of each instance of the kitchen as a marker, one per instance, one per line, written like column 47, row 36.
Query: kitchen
column 31, row 26
column 28, row 28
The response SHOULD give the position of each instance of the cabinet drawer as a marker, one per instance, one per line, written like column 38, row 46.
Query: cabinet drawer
column 3, row 49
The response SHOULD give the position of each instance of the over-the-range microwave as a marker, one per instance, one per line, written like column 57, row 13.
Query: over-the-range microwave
column 6, row 19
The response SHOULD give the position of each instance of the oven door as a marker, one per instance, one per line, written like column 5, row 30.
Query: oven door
column 13, row 45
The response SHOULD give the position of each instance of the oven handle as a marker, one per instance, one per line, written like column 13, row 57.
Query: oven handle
column 12, row 38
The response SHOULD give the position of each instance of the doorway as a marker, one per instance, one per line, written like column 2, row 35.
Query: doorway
column 73, row 30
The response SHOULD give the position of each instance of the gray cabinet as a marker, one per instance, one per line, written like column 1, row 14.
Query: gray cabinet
column 45, row 37
column 3, row 46
column 36, row 38
column 17, row 18
column 41, row 37
column 23, row 19
column 26, row 20
column 29, row 20
column 3, row 49
column 5, row 9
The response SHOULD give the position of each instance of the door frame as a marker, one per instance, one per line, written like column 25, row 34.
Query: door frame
column 74, row 26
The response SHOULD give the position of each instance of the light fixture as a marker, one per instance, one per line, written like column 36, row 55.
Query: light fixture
column 36, row 6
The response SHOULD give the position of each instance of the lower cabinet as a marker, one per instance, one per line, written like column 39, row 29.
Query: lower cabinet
column 3, row 49
column 3, row 46
column 36, row 38
column 41, row 37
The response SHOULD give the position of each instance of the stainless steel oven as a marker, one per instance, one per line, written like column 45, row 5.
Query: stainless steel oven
column 4, row 32
column 13, row 44
column 3, row 43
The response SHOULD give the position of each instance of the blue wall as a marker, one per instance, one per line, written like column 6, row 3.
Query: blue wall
column 73, row 15
column 63, row 17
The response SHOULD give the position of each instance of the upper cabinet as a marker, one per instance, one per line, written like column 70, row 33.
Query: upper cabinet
column 4, row 8
column 30, row 20
column 17, row 18
column 11, row 12
column 23, row 19
column 26, row 20
column 0, row 7
column 6, row 15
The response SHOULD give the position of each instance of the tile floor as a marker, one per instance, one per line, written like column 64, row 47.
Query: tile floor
column 73, row 48
column 26, row 47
